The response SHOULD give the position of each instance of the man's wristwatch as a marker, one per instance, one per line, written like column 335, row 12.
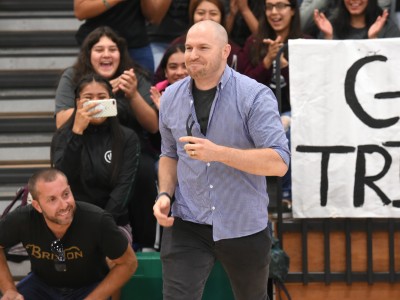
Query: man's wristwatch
column 164, row 194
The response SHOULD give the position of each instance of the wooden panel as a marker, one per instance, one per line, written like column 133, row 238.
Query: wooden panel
column 334, row 291
column 380, row 246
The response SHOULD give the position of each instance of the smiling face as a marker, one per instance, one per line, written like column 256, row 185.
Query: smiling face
column 206, row 50
column 55, row 201
column 176, row 68
column 207, row 11
column 278, row 17
column 356, row 7
column 105, row 57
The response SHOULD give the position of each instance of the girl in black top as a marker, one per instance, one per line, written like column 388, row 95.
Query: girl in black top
column 364, row 20
column 99, row 156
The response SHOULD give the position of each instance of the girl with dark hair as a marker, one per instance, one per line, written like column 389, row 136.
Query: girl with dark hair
column 357, row 20
column 83, row 65
column 99, row 156
column 200, row 10
column 173, row 65
column 105, row 53
column 127, row 18
column 174, row 68
column 279, row 23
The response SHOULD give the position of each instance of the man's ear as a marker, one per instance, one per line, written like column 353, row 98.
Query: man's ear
column 36, row 206
column 226, row 51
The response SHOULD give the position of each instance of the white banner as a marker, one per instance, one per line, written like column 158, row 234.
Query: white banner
column 345, row 98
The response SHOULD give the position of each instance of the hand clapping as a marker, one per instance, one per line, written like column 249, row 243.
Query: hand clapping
column 375, row 28
column 323, row 24
column 273, row 47
column 126, row 82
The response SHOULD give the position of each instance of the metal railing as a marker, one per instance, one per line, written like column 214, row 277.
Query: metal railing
column 328, row 227
column 347, row 226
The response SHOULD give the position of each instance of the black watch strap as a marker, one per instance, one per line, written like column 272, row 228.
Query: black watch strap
column 164, row 194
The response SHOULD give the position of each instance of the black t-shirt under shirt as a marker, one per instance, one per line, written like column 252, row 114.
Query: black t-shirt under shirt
column 202, row 104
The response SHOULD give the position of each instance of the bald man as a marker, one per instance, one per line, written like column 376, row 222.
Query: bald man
column 221, row 135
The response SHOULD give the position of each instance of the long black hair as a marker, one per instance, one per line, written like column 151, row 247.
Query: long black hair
column 341, row 20
column 175, row 48
column 116, row 131
column 83, row 64
column 195, row 3
column 265, row 31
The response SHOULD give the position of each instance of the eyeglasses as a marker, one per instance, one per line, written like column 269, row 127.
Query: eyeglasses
column 189, row 127
column 279, row 6
column 57, row 248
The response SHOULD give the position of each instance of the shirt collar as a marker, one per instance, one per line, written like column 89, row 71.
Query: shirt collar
column 222, row 81
column 225, row 77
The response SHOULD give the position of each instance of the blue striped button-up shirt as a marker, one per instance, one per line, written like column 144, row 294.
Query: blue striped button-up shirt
column 244, row 115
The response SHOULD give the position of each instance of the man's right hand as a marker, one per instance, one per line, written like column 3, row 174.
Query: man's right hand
column 161, row 211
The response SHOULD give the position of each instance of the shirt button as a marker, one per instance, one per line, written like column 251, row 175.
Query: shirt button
column 208, row 164
column 211, row 186
column 213, row 208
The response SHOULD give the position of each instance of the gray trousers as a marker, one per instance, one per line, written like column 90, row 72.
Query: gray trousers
column 188, row 254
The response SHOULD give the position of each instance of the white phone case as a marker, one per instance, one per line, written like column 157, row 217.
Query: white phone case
column 108, row 107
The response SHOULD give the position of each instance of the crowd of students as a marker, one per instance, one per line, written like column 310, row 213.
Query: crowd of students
column 133, row 52
column 139, row 47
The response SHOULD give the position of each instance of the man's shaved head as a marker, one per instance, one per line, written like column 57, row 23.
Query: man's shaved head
column 206, row 53
column 213, row 30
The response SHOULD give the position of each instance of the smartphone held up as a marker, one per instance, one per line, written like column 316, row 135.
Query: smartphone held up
column 108, row 107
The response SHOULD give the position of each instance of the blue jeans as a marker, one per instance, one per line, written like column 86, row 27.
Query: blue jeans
column 33, row 288
column 144, row 57
column 158, row 50
column 188, row 254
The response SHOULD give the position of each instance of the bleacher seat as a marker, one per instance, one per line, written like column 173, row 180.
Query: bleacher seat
column 146, row 283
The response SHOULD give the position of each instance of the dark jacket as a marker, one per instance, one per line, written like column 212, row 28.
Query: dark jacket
column 86, row 161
